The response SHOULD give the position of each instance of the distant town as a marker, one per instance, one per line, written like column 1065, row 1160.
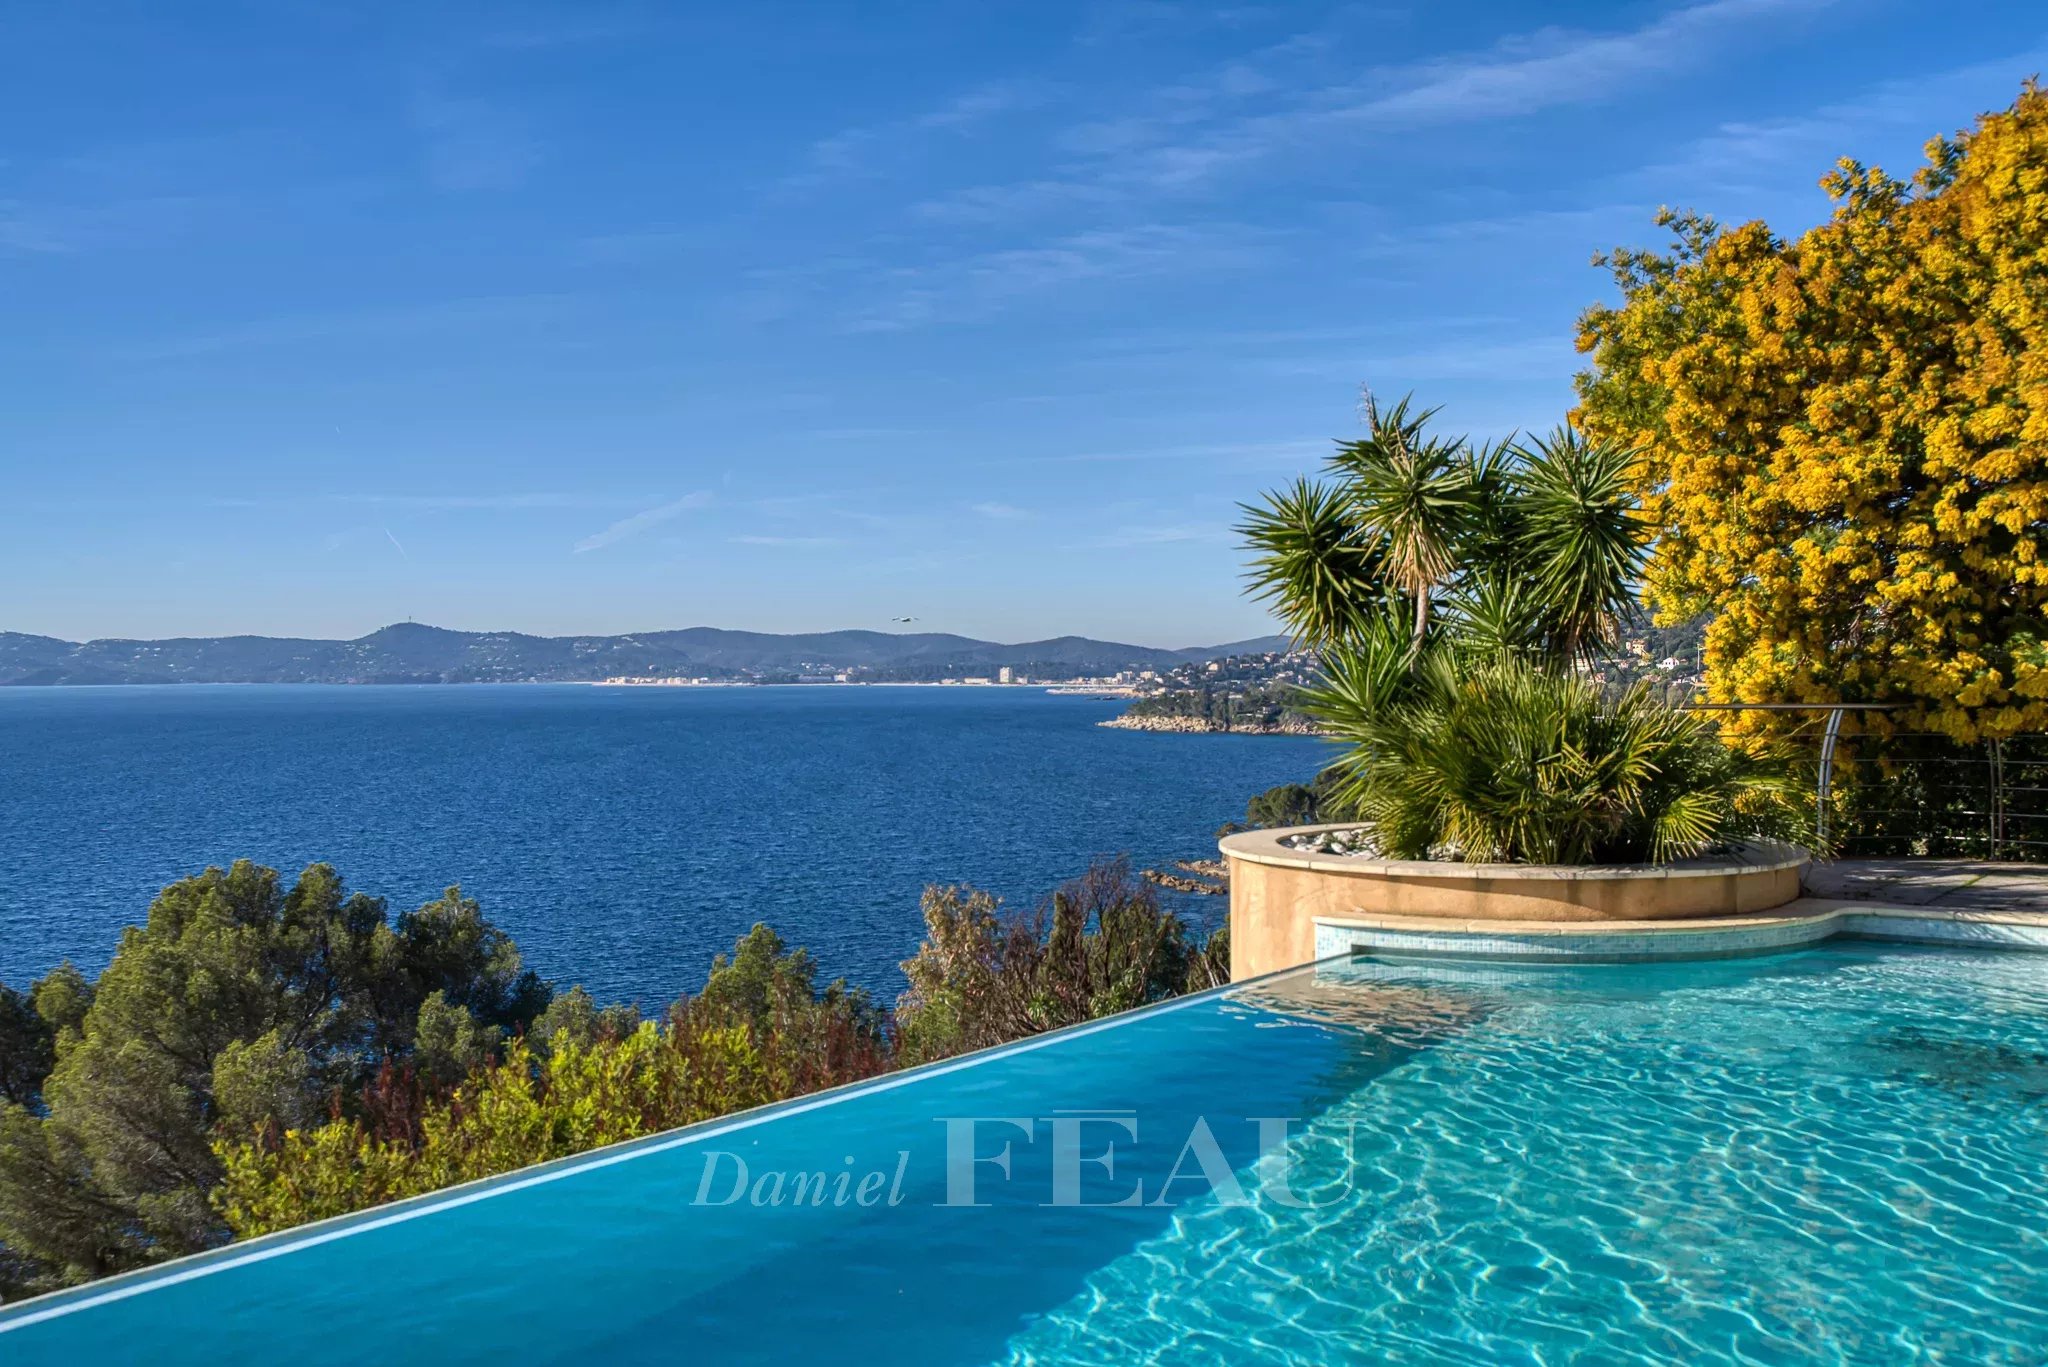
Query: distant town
column 1234, row 675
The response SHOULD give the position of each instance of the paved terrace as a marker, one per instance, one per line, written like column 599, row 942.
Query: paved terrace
column 1949, row 884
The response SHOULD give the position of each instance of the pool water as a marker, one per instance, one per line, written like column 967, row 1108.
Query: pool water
column 1831, row 1155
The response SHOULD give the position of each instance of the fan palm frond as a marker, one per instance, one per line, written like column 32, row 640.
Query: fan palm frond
column 1510, row 762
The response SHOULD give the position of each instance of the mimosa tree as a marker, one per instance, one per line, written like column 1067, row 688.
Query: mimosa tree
column 1845, row 436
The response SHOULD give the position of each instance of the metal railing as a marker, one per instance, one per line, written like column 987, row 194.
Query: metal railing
column 1879, row 791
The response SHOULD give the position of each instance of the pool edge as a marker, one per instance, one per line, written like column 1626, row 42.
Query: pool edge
column 1807, row 921
column 49, row 1305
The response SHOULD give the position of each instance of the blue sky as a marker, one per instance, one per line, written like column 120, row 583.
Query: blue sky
column 593, row 317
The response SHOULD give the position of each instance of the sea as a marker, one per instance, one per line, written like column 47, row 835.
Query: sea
column 622, row 835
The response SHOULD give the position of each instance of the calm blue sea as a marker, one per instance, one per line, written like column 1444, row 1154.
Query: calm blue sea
column 623, row 836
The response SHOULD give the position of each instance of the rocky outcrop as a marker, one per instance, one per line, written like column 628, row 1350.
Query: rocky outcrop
column 1208, row 877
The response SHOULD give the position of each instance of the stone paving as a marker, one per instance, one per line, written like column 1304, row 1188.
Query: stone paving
column 1960, row 884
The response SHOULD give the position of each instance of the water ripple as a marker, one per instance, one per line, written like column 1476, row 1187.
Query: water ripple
column 1835, row 1158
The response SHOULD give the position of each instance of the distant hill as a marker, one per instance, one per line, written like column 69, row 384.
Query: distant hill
column 1257, row 645
column 413, row 653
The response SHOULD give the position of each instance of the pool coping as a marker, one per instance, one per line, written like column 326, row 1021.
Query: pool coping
column 1805, row 921
column 1264, row 847
column 70, row 1300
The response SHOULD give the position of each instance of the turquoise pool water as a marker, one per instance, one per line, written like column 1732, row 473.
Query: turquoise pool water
column 1833, row 1155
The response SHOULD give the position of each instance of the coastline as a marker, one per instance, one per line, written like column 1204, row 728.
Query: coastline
column 1202, row 726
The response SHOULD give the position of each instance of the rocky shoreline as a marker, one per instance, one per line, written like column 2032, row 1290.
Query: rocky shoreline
column 1209, row 877
column 1193, row 726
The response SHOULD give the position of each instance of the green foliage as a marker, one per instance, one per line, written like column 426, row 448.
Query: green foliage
column 28, row 1048
column 574, row 1017
column 1575, row 504
column 1315, row 564
column 1531, row 547
column 448, row 1042
column 759, row 1032
column 1847, row 437
column 1258, row 707
column 238, row 1001
column 1510, row 763
column 1290, row 804
column 983, row 976
column 1473, row 734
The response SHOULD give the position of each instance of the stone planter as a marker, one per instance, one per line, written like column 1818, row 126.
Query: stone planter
column 1277, row 894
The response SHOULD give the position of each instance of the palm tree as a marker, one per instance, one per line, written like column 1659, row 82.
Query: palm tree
column 1413, row 495
column 1469, row 730
column 1585, row 541
column 1535, row 546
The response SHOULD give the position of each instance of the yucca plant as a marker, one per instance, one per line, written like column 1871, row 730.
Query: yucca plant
column 1455, row 593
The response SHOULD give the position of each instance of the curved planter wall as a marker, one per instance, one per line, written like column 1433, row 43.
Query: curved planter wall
column 1277, row 894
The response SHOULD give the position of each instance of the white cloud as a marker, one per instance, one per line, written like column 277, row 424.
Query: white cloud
column 639, row 522
column 1001, row 512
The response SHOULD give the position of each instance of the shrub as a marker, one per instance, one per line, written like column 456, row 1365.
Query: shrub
column 759, row 1032
column 1507, row 763
column 1101, row 944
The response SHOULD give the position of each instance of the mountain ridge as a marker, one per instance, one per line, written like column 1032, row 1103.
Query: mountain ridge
column 414, row 652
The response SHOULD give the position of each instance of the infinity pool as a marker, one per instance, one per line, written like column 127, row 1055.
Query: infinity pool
column 1833, row 1155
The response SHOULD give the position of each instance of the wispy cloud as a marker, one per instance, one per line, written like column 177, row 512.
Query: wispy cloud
column 792, row 541
column 470, row 143
column 398, row 545
column 1553, row 67
column 975, row 286
column 1249, row 453
column 1000, row 512
column 628, row 527
column 51, row 229
column 407, row 320
column 863, row 433
column 1137, row 537
column 1022, row 199
column 1185, row 136
column 1740, row 154
column 492, row 502
column 873, row 149
column 587, row 26
column 1520, row 226
column 1111, row 21
column 1547, row 356
column 639, row 246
